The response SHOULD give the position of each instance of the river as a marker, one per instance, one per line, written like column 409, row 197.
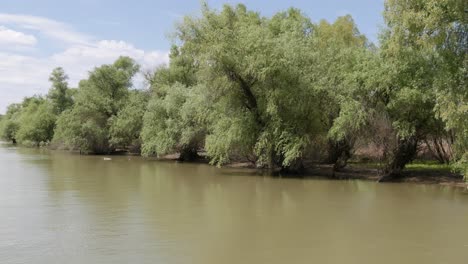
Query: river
column 57, row 207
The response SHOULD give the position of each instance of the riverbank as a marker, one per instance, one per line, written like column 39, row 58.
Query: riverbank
column 418, row 176
column 416, row 173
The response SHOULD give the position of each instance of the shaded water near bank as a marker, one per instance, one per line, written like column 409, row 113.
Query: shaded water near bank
column 57, row 207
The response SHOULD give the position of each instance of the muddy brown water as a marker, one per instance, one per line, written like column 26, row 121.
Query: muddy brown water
column 57, row 207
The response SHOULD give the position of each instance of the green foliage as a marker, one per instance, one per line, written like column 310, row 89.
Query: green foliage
column 251, row 67
column 9, row 124
column 274, row 91
column 86, row 126
column 430, row 38
column 395, row 88
column 37, row 122
column 30, row 123
column 59, row 94
column 170, row 123
column 126, row 126
column 182, row 69
column 337, row 52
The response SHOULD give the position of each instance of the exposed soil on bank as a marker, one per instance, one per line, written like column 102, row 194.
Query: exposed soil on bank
column 363, row 172
column 441, row 177
column 355, row 171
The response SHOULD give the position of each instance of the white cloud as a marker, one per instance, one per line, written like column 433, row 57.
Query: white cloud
column 20, row 70
column 10, row 37
column 80, row 59
column 26, row 75
column 48, row 27
column 21, row 76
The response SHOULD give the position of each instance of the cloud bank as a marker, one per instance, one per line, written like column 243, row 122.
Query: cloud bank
column 22, row 74
column 12, row 37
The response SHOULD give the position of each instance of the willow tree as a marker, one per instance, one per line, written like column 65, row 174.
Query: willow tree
column 9, row 123
column 439, row 27
column 31, row 122
column 172, row 122
column 86, row 126
column 336, row 51
column 251, row 68
column 36, row 122
column 59, row 94
column 126, row 126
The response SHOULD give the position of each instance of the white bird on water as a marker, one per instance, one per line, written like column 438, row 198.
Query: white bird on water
column 107, row 158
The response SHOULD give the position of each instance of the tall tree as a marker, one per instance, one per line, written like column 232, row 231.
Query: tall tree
column 59, row 93
column 171, row 122
column 126, row 126
column 251, row 69
column 86, row 126
column 426, row 45
column 9, row 124
column 30, row 123
column 336, row 52
column 36, row 122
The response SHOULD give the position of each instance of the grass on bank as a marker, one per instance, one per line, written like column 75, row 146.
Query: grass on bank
column 417, row 165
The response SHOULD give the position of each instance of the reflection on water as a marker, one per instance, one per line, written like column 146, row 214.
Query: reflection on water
column 57, row 207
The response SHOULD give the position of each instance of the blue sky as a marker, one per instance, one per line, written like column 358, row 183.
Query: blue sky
column 36, row 36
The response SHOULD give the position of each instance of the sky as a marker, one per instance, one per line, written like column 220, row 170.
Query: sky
column 39, row 35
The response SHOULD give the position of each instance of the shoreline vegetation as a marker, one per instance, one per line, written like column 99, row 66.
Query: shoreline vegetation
column 429, row 172
column 279, row 94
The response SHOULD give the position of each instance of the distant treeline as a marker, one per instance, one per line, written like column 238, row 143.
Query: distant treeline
column 275, row 91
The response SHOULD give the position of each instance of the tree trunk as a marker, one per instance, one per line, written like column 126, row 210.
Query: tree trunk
column 339, row 153
column 135, row 148
column 296, row 167
column 402, row 154
column 442, row 155
column 188, row 153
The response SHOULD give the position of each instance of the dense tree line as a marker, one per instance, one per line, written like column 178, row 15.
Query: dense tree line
column 276, row 91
